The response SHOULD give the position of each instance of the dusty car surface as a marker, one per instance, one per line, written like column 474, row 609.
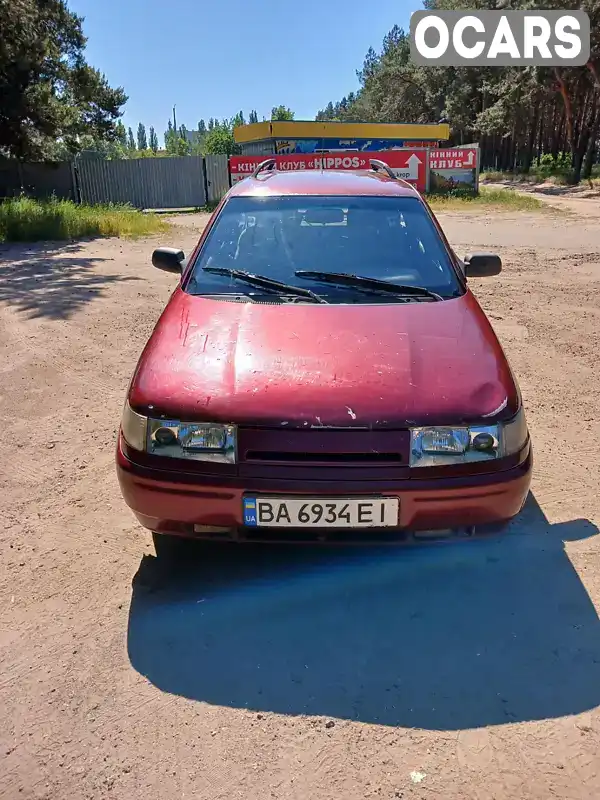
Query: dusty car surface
column 322, row 371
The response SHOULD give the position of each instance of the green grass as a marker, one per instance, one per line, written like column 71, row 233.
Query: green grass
column 560, row 176
column 26, row 220
column 487, row 198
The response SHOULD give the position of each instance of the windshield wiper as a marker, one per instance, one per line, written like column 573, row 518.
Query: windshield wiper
column 369, row 284
column 265, row 283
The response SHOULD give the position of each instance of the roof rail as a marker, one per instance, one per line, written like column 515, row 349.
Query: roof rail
column 268, row 164
column 377, row 165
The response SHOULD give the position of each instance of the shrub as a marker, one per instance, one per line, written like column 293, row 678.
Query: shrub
column 503, row 198
column 23, row 219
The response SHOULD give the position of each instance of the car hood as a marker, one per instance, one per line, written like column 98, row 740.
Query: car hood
column 379, row 365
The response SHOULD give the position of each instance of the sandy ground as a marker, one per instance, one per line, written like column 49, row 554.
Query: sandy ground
column 582, row 199
column 468, row 670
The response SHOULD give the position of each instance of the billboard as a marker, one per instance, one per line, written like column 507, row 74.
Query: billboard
column 453, row 167
column 408, row 164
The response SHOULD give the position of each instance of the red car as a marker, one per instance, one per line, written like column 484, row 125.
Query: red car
column 322, row 371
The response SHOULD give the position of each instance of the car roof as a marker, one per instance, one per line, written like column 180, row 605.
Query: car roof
column 321, row 182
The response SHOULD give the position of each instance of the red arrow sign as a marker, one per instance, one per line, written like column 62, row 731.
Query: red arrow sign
column 456, row 158
column 409, row 164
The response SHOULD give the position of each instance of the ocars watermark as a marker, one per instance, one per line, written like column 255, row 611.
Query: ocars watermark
column 499, row 39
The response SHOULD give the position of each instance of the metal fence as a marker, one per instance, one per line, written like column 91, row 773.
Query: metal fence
column 144, row 182
column 37, row 180
column 217, row 177
column 148, row 183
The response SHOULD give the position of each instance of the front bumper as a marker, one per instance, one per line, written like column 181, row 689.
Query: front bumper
column 168, row 503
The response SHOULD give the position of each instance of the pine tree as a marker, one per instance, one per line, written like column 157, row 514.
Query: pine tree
column 50, row 97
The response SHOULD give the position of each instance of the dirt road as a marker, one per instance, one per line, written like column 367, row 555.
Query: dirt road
column 457, row 671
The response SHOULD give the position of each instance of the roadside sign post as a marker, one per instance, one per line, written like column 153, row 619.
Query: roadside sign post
column 453, row 167
column 427, row 170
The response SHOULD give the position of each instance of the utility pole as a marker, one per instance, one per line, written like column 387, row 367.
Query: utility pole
column 174, row 120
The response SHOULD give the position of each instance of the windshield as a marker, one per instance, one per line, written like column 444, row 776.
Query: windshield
column 388, row 238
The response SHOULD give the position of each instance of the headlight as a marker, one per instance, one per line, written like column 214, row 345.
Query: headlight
column 436, row 446
column 133, row 427
column 202, row 441
column 199, row 441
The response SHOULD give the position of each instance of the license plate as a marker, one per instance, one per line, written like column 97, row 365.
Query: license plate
column 320, row 512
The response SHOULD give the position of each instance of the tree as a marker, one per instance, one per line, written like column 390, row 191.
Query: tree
column 142, row 141
column 197, row 144
column 170, row 139
column 238, row 120
column 175, row 144
column 520, row 116
column 252, row 117
column 113, row 151
column 328, row 113
column 130, row 140
column 281, row 114
column 110, row 151
column 369, row 66
column 49, row 93
column 153, row 140
column 184, row 147
column 121, row 134
column 220, row 140
column 211, row 124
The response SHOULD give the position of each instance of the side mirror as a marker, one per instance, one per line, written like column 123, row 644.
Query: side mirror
column 168, row 259
column 482, row 265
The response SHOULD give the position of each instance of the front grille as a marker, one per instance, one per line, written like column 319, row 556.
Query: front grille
column 323, row 454
column 323, row 458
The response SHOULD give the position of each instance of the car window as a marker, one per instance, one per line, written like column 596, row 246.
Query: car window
column 388, row 238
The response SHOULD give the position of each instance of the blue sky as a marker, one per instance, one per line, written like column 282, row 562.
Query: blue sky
column 212, row 59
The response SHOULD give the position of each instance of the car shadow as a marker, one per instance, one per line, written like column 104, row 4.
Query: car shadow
column 443, row 637
column 50, row 280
